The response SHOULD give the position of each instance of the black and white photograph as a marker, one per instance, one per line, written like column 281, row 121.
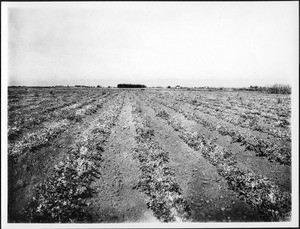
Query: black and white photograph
column 171, row 114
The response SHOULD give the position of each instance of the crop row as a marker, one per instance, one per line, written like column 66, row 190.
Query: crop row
column 17, row 124
column 26, row 103
column 28, row 99
column 258, row 191
column 251, row 118
column 267, row 106
column 64, row 195
column 157, row 180
column 30, row 103
column 30, row 142
column 262, row 147
column 43, row 136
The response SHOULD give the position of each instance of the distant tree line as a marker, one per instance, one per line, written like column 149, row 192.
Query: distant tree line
column 124, row 85
column 273, row 89
column 83, row 86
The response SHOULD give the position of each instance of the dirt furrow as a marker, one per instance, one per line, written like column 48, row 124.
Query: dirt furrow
column 157, row 179
column 116, row 200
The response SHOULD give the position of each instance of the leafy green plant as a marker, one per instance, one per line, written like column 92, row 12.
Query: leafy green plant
column 157, row 180
column 163, row 114
column 61, row 197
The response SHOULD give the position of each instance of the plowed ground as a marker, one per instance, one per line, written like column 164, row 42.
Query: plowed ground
column 151, row 168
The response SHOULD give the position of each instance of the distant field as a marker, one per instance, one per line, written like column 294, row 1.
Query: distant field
column 98, row 155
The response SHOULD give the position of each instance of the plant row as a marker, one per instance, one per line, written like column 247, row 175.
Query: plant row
column 64, row 195
column 279, row 127
column 258, row 191
column 264, row 148
column 43, row 136
column 266, row 106
column 253, row 119
column 157, row 180
column 46, row 102
column 32, row 119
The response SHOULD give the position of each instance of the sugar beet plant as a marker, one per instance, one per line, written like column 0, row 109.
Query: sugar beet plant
column 62, row 196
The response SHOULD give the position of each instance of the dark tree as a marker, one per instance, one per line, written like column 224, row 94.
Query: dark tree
column 131, row 85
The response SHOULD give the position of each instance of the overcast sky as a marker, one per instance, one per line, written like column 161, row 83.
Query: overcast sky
column 153, row 43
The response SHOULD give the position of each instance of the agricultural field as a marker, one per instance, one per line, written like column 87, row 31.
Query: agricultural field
column 109, row 155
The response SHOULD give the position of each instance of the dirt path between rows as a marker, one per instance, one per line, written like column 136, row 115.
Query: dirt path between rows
column 116, row 201
column 203, row 188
